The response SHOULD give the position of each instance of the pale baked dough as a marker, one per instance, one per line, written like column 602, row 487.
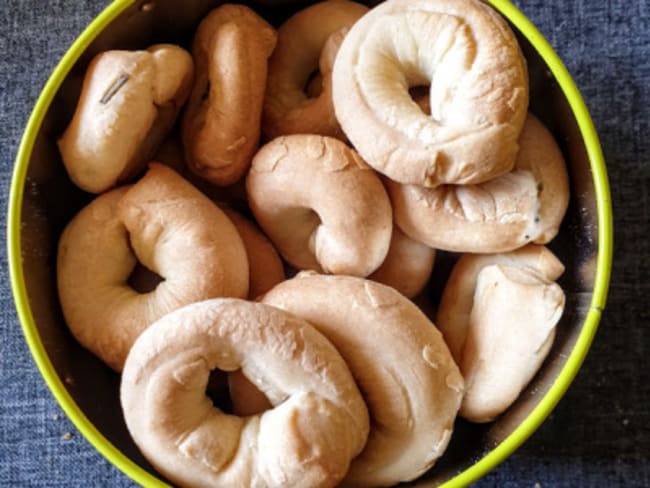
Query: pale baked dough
column 168, row 226
column 221, row 124
column 264, row 265
column 129, row 100
column 407, row 266
column 307, row 42
column 468, row 55
column 498, row 315
column 318, row 425
column 507, row 212
column 399, row 360
column 320, row 204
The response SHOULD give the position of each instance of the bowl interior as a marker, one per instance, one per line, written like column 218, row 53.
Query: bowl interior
column 51, row 200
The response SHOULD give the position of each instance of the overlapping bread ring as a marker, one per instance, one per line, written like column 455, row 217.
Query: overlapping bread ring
column 318, row 425
column 266, row 271
column 307, row 41
column 400, row 362
column 172, row 229
column 407, row 266
column 456, row 301
column 498, row 315
column 479, row 91
column 265, row 266
column 320, row 204
column 221, row 124
column 128, row 103
column 525, row 205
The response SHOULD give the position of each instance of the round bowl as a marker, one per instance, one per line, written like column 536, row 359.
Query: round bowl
column 43, row 200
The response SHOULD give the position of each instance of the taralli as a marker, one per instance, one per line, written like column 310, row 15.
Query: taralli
column 407, row 266
column 173, row 230
column 505, row 213
column 264, row 264
column 307, row 42
column 540, row 154
column 320, row 204
column 404, row 370
column 128, row 103
column 318, row 425
column 221, row 124
column 498, row 315
column 479, row 91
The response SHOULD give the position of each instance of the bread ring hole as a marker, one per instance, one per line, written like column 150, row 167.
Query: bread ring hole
column 206, row 91
column 234, row 394
column 314, row 84
column 143, row 280
column 217, row 391
column 420, row 95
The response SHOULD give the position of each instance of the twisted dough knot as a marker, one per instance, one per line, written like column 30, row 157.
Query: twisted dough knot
column 221, row 124
column 478, row 95
column 320, row 204
column 128, row 103
column 172, row 229
column 307, row 42
column 398, row 358
column 498, row 314
column 507, row 212
column 318, row 425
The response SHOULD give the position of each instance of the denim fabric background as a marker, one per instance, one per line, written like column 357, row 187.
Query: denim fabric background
column 599, row 434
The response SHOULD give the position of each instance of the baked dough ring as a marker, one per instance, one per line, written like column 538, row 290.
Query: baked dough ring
column 525, row 205
column 399, row 360
column 407, row 266
column 320, row 204
column 264, row 264
column 128, row 103
column 498, row 315
column 172, row 229
column 221, row 124
column 307, row 41
column 318, row 425
column 469, row 56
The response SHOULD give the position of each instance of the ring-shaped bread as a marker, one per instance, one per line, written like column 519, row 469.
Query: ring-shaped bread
column 221, row 123
column 264, row 264
column 320, row 204
column 318, row 425
column 469, row 57
column 307, row 42
column 169, row 227
column 128, row 103
column 407, row 266
column 507, row 212
column 498, row 314
column 410, row 383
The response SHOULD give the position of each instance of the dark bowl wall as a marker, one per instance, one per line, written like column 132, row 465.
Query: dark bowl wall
column 50, row 201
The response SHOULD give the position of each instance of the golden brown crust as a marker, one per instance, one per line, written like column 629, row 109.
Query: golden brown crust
column 407, row 266
column 221, row 124
column 264, row 264
column 128, row 103
column 507, row 212
column 498, row 315
column 399, row 360
column 470, row 136
column 320, row 204
column 169, row 227
column 307, row 42
column 318, row 425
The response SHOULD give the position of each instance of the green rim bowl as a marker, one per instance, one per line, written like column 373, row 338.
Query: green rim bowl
column 42, row 200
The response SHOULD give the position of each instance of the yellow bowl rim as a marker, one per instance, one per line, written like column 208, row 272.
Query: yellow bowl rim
column 471, row 474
